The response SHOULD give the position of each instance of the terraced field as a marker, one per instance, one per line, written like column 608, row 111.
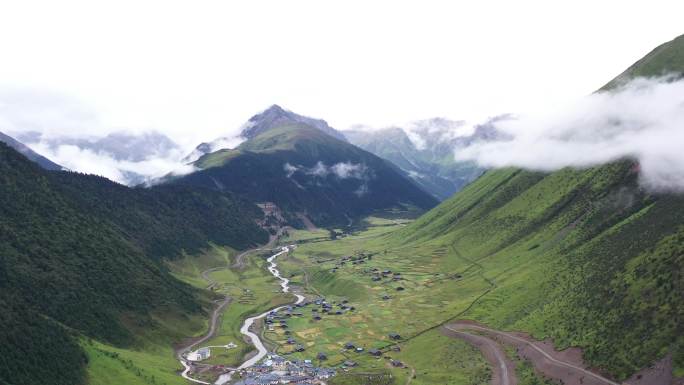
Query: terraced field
column 422, row 288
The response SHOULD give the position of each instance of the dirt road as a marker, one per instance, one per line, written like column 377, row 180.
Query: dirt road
column 503, row 367
column 566, row 366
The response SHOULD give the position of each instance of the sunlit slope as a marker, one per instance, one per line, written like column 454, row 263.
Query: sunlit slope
column 586, row 257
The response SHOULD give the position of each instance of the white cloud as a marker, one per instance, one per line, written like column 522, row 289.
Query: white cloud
column 319, row 170
column 344, row 170
column 103, row 164
column 643, row 119
column 341, row 170
column 289, row 169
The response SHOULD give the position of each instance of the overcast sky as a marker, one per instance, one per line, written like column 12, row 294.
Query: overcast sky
column 198, row 69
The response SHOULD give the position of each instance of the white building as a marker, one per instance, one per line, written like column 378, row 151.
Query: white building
column 199, row 354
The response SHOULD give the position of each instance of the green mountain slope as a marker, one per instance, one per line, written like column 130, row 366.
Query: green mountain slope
column 304, row 170
column 666, row 59
column 586, row 257
column 78, row 258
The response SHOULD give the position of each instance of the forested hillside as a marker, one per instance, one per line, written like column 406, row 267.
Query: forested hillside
column 78, row 257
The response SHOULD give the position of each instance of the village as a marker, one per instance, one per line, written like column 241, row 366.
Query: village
column 275, row 369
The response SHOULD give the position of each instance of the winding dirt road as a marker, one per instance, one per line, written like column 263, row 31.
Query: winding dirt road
column 544, row 358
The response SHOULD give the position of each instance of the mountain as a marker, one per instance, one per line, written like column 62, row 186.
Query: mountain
column 585, row 257
column 276, row 116
column 273, row 116
column 425, row 151
column 30, row 154
column 291, row 161
column 81, row 258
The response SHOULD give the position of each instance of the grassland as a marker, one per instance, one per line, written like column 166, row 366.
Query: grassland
column 584, row 257
column 435, row 289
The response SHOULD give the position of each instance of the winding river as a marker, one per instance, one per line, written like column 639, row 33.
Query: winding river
column 253, row 337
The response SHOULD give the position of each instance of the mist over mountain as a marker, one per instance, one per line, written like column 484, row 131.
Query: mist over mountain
column 126, row 157
column 426, row 149
column 581, row 224
column 638, row 115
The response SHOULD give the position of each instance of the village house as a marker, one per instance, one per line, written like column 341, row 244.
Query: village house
column 199, row 355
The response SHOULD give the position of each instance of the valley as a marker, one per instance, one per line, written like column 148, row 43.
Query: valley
column 424, row 307
column 379, row 310
column 292, row 253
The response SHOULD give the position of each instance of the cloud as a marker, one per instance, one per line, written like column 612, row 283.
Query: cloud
column 643, row 120
column 346, row 170
column 122, row 171
column 72, row 134
column 47, row 112
column 341, row 170
column 319, row 170
column 289, row 169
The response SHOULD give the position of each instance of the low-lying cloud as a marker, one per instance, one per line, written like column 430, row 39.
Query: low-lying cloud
column 72, row 134
column 340, row 170
column 124, row 171
column 642, row 120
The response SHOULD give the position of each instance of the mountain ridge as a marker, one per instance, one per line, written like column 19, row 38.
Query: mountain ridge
column 30, row 154
column 305, row 170
column 260, row 123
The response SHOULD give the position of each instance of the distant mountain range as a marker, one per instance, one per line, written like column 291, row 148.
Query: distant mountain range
column 305, row 166
column 425, row 151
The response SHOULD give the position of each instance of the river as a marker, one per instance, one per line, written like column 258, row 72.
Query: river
column 253, row 337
